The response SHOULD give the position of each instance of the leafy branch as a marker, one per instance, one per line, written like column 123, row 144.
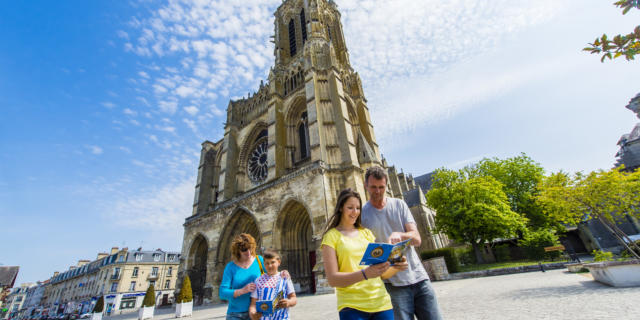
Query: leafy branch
column 621, row 45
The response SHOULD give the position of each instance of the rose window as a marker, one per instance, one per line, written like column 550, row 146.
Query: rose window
column 257, row 164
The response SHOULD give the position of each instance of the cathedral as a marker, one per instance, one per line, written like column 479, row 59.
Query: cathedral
column 287, row 151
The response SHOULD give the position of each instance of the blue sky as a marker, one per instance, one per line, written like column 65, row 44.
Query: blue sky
column 104, row 104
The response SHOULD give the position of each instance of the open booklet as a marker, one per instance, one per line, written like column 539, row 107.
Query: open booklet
column 269, row 306
column 382, row 252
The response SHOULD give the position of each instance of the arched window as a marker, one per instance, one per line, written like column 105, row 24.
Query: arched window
column 292, row 38
column 303, row 26
column 303, row 136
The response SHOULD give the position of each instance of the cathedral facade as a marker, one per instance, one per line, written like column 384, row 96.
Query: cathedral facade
column 287, row 151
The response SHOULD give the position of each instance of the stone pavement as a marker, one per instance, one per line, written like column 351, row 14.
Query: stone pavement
column 553, row 294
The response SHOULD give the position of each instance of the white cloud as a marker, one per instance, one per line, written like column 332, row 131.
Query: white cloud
column 95, row 149
column 164, row 208
column 109, row 105
column 144, row 74
column 129, row 112
column 125, row 149
column 192, row 110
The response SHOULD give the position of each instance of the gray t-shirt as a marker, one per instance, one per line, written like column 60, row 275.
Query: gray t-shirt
column 393, row 217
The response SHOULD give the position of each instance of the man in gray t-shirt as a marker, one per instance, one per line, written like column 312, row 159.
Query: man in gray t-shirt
column 391, row 221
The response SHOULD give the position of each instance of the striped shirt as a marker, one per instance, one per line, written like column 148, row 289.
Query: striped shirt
column 267, row 288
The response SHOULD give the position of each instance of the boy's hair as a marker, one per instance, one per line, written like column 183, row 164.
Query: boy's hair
column 271, row 254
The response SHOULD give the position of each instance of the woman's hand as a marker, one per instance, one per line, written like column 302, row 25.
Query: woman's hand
column 376, row 270
column 285, row 274
column 255, row 315
column 250, row 287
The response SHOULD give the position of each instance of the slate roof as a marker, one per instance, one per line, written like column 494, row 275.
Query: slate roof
column 412, row 197
column 424, row 181
column 8, row 276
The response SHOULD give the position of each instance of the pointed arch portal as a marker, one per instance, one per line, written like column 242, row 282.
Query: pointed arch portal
column 240, row 222
column 296, row 245
column 198, row 267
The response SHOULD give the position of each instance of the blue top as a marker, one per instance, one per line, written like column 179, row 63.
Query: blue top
column 235, row 278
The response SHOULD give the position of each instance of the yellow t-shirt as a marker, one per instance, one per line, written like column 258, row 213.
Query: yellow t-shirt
column 366, row 295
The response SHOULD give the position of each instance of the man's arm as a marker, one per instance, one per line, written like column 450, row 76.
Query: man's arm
column 410, row 233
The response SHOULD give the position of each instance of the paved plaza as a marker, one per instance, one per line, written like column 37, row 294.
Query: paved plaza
column 554, row 294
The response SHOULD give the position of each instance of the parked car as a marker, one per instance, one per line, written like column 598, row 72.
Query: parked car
column 85, row 316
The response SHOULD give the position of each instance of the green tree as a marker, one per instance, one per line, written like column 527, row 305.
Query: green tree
column 520, row 177
column 620, row 45
column 603, row 195
column 472, row 210
column 185, row 295
column 149, row 297
column 99, row 307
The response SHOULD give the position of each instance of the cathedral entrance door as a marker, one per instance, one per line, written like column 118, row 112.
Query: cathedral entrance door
column 198, row 267
column 241, row 221
column 296, row 246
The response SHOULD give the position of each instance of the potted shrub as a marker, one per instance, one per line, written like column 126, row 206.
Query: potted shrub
column 616, row 273
column 97, row 309
column 148, row 304
column 184, row 301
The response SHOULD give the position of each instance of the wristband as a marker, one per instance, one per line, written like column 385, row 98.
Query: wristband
column 364, row 274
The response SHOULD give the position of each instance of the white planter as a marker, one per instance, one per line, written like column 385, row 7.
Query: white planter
column 184, row 309
column 145, row 313
column 96, row 316
column 575, row 267
column 616, row 273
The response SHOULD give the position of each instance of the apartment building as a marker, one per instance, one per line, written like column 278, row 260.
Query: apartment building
column 122, row 276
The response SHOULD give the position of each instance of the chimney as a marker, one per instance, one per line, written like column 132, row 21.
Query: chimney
column 114, row 250
column 72, row 267
column 82, row 263
column 101, row 255
column 55, row 274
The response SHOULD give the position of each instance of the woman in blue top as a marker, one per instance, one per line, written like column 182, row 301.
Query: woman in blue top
column 239, row 274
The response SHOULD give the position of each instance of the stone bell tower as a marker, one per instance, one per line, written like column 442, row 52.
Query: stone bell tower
column 287, row 151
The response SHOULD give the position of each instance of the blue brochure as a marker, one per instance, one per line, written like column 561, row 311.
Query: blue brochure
column 269, row 306
column 382, row 252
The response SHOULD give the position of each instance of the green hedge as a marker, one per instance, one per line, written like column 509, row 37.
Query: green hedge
column 450, row 257
column 185, row 295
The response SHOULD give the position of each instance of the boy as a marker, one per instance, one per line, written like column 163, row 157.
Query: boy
column 268, row 286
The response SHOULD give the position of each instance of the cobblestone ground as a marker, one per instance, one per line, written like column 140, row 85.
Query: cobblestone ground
column 551, row 295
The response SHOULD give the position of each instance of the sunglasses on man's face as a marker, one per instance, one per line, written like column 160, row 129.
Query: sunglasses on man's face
column 243, row 249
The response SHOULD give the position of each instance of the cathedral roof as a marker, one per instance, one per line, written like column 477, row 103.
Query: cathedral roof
column 424, row 181
column 413, row 197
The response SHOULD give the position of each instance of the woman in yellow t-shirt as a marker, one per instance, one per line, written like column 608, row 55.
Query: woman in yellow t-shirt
column 360, row 290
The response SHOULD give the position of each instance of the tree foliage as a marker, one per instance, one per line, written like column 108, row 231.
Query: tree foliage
column 620, row 45
column 472, row 209
column 186, row 294
column 99, row 307
column 603, row 195
column 149, row 297
column 520, row 177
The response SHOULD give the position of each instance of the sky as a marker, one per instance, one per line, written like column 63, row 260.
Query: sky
column 104, row 104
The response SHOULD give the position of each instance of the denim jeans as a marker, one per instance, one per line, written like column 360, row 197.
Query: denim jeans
column 238, row 316
column 353, row 314
column 418, row 298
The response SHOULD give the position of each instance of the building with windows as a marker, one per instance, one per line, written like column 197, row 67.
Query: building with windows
column 15, row 300
column 121, row 276
column 287, row 151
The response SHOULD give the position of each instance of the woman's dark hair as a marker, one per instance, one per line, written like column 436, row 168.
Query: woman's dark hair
column 344, row 195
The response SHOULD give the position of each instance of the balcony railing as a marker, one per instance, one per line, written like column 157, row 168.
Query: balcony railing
column 115, row 277
column 152, row 276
